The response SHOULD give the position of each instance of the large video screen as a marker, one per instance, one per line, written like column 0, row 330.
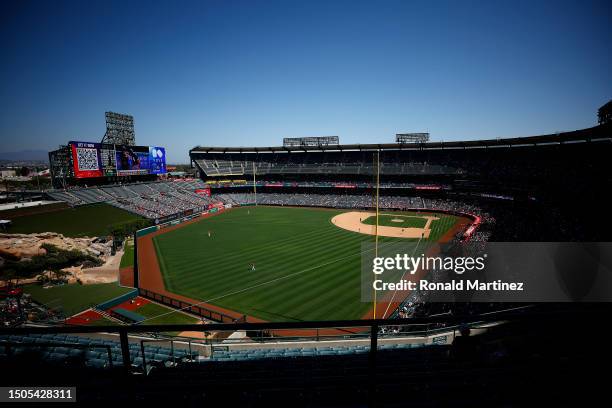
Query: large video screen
column 86, row 159
column 99, row 160
column 133, row 160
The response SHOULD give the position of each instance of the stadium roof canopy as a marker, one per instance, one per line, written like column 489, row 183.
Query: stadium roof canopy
column 597, row 133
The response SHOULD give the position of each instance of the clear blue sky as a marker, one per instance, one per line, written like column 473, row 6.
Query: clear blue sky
column 252, row 72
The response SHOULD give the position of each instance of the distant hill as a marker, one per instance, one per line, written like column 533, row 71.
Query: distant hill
column 23, row 155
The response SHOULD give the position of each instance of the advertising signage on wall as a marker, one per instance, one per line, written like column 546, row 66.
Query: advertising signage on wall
column 86, row 159
column 99, row 160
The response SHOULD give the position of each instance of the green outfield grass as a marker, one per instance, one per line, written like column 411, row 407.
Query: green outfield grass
column 74, row 298
column 306, row 267
column 151, row 310
column 128, row 256
column 89, row 220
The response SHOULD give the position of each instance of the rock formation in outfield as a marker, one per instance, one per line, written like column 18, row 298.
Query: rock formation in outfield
column 19, row 246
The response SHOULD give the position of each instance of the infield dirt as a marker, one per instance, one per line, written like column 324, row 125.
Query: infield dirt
column 352, row 221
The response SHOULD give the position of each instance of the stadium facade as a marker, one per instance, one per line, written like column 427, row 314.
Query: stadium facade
column 561, row 175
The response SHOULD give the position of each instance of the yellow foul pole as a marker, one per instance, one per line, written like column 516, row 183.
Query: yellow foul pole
column 254, row 183
column 376, row 226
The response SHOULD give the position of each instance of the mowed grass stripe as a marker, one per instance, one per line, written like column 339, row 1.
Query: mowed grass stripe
column 325, row 290
column 241, row 266
column 231, row 260
column 261, row 257
column 268, row 269
column 336, row 248
column 178, row 254
column 318, row 280
column 214, row 283
column 280, row 241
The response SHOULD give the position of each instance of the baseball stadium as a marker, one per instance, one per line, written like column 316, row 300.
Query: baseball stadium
column 305, row 204
column 253, row 266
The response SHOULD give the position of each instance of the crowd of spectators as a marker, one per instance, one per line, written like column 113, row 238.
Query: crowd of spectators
column 320, row 166
column 541, row 165
column 151, row 200
column 363, row 201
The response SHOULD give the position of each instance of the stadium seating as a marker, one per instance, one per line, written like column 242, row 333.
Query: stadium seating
column 524, row 362
column 65, row 196
column 294, row 352
column 91, row 195
column 95, row 354
column 345, row 201
column 317, row 164
column 151, row 200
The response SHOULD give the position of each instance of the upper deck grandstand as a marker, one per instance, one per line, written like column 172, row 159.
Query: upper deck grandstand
column 515, row 162
column 557, row 175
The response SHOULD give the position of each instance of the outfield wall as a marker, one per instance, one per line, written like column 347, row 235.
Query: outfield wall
column 198, row 309
column 118, row 300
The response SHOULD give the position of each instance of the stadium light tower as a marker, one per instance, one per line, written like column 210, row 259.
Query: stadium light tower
column 317, row 141
column 403, row 138
column 119, row 129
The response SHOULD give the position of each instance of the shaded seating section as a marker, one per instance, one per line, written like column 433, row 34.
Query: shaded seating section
column 423, row 375
column 521, row 363
column 92, row 352
column 317, row 163
column 224, row 354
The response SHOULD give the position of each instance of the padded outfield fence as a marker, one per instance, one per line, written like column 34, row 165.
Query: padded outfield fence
column 195, row 309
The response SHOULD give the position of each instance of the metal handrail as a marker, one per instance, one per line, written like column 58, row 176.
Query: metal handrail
column 134, row 328
column 372, row 324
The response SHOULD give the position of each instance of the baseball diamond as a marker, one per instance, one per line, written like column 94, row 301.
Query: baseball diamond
column 306, row 265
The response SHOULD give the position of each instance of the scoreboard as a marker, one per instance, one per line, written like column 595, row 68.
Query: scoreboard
column 101, row 160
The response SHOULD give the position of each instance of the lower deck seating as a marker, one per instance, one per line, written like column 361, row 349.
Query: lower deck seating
column 92, row 352
column 293, row 352
column 151, row 200
column 521, row 363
